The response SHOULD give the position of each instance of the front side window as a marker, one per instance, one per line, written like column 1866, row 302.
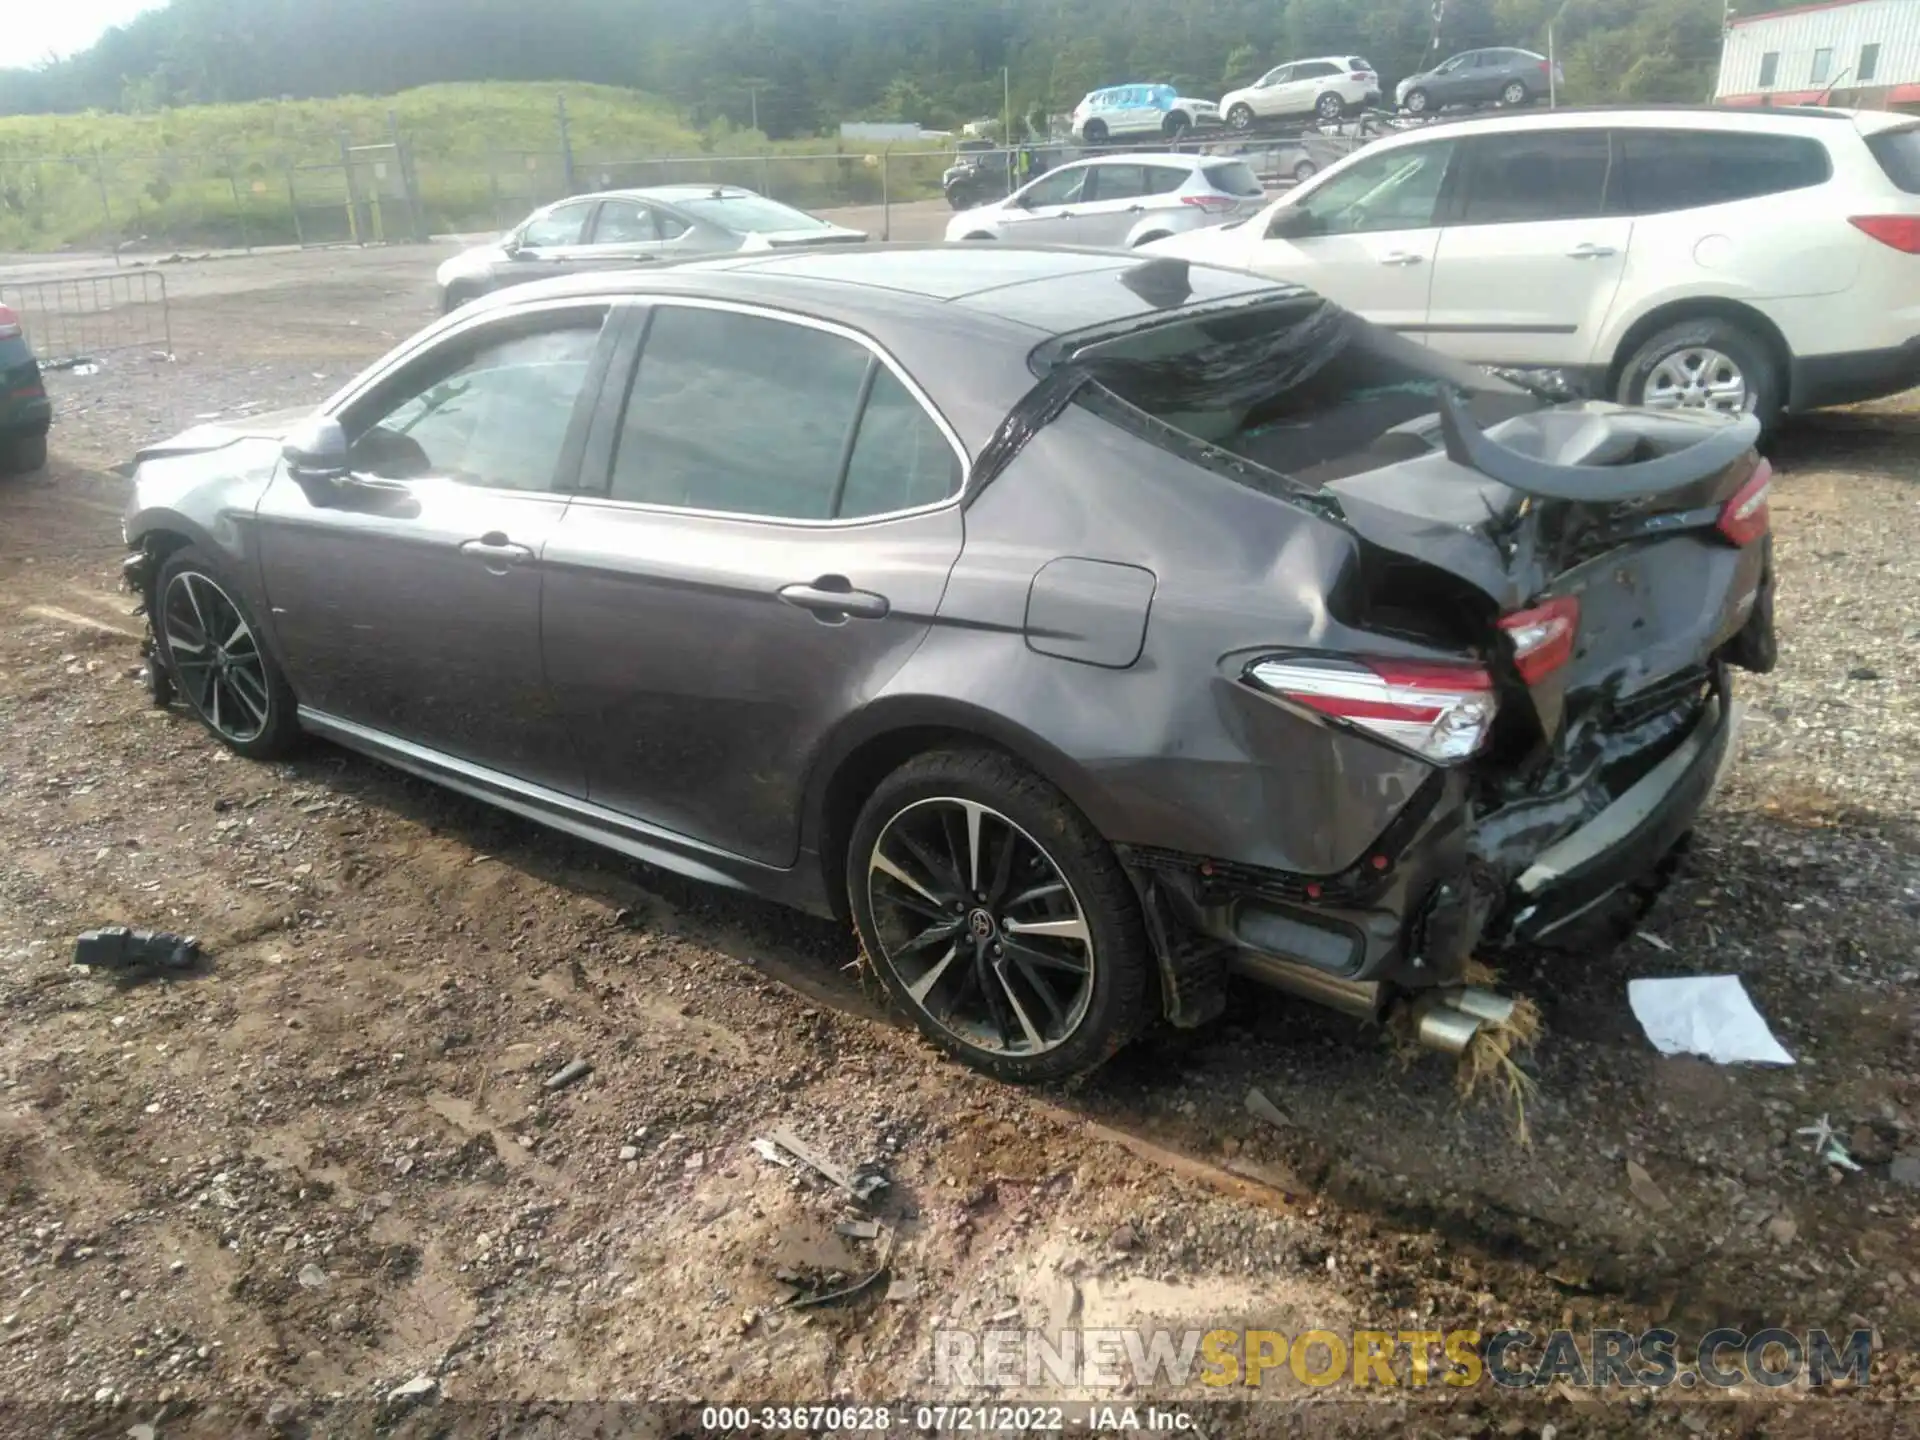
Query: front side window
column 1666, row 170
column 494, row 416
column 1392, row 190
column 559, row 226
column 1537, row 175
column 1279, row 75
column 624, row 222
column 749, row 415
column 1769, row 69
column 1457, row 63
column 1062, row 187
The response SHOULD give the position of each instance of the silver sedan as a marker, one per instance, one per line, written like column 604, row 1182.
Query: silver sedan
column 1118, row 201
column 619, row 229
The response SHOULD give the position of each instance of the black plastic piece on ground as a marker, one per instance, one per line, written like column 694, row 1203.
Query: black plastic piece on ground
column 115, row 947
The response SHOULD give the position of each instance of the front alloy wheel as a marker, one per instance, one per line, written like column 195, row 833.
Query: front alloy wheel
column 212, row 647
column 1698, row 378
column 981, row 927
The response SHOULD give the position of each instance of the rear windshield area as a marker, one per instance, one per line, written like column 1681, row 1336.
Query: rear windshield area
column 1234, row 177
column 1898, row 152
column 1299, row 387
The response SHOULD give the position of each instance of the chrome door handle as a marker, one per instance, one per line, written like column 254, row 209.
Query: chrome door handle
column 498, row 552
column 833, row 600
column 1591, row 252
column 1401, row 257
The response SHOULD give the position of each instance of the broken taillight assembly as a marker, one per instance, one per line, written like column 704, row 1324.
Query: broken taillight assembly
column 1744, row 518
column 1542, row 637
column 1902, row 232
column 1440, row 711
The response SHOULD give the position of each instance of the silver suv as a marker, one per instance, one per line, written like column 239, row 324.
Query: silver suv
column 1119, row 201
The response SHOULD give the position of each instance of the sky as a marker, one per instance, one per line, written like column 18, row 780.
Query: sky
column 34, row 28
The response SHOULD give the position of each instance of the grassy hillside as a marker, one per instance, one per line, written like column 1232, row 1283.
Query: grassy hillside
column 270, row 171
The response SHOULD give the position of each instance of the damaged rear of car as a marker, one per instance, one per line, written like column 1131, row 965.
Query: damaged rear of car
column 1512, row 682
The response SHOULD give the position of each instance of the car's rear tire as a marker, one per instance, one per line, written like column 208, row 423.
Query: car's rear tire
column 23, row 454
column 1150, row 237
column 457, row 295
column 1096, row 132
column 215, row 650
column 1515, row 95
column 1176, row 125
column 1240, row 117
column 954, row 855
column 1330, row 106
column 979, row 235
column 1304, row 171
column 1695, row 364
column 1416, row 102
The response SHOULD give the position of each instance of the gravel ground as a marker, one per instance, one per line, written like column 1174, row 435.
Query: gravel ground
column 328, row 1165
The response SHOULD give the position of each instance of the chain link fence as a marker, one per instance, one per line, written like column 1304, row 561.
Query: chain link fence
column 348, row 193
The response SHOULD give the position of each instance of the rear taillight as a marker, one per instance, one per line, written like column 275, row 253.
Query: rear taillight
column 1902, row 232
column 1542, row 637
column 1212, row 204
column 1744, row 518
column 9, row 324
column 1362, row 75
column 1440, row 712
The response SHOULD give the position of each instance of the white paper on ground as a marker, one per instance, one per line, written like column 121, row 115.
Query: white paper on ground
column 1708, row 1015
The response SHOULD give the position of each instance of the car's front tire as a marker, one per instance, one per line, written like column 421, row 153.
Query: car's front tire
column 1240, row 117
column 23, row 454
column 1416, row 102
column 214, row 649
column 998, row 918
column 1515, row 95
column 456, row 295
column 1330, row 106
column 1096, row 132
column 1705, row 364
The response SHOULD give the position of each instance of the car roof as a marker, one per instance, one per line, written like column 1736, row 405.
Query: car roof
column 668, row 194
column 1146, row 157
column 1796, row 119
column 1031, row 291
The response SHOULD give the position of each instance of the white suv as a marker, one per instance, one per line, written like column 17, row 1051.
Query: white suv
column 1730, row 260
column 1326, row 88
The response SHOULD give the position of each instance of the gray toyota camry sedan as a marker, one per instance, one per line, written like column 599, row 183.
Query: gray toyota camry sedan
column 1086, row 630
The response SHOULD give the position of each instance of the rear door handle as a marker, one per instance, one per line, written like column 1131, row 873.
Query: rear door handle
column 498, row 552
column 1591, row 252
column 832, row 599
column 1401, row 257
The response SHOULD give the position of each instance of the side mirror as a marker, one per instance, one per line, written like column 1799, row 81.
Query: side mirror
column 317, row 450
column 1292, row 222
column 517, row 250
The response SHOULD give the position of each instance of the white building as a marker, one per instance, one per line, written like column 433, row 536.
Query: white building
column 1863, row 53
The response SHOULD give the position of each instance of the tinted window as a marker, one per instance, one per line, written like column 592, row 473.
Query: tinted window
column 1059, row 188
column 558, row 227
column 1165, row 179
column 1898, row 152
column 1117, row 182
column 1769, row 69
column 498, row 418
column 624, row 222
column 1662, row 170
column 1869, row 62
column 1392, row 190
column 1537, row 175
column 1233, row 177
column 1315, row 70
column 1359, row 62
column 901, row 459
column 1279, row 75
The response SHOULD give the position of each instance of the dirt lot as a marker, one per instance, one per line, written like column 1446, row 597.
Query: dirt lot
column 328, row 1164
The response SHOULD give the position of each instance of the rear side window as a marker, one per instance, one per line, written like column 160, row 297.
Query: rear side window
column 1315, row 70
column 1359, row 63
column 1164, row 179
column 1234, row 177
column 1536, row 175
column 1898, row 152
column 1666, row 170
column 1117, row 182
column 748, row 415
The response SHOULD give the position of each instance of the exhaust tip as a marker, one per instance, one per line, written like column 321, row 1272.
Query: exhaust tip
column 1441, row 1027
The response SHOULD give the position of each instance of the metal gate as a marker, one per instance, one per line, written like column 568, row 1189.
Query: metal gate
column 367, row 197
column 78, row 319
